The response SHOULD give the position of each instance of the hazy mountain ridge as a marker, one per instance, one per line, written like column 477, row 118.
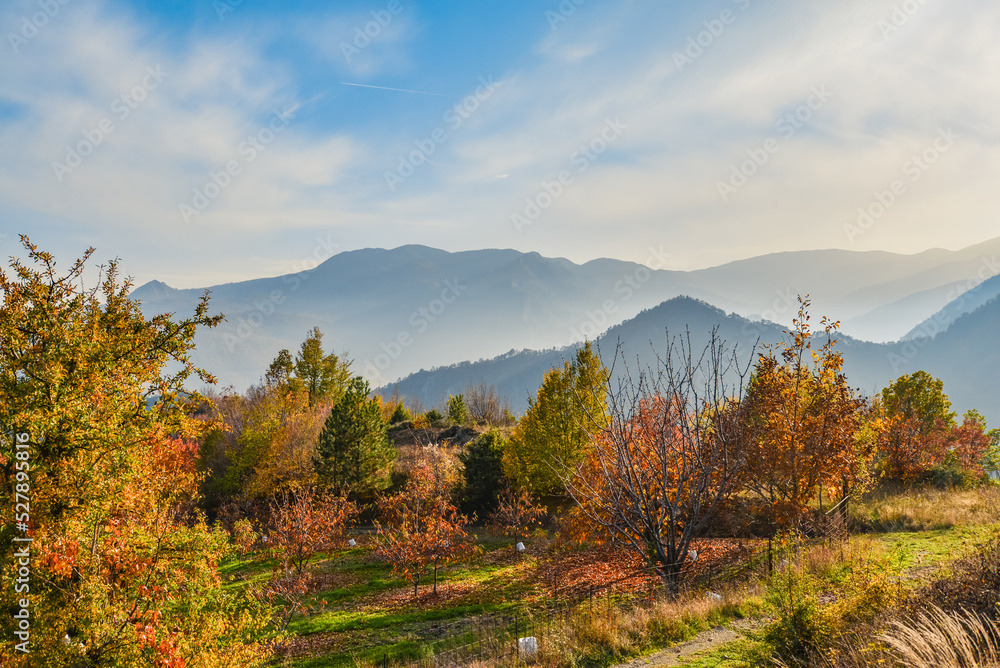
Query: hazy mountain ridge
column 398, row 311
column 965, row 302
column 962, row 357
column 447, row 307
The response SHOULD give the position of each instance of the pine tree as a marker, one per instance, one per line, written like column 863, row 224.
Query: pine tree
column 457, row 411
column 483, row 475
column 354, row 453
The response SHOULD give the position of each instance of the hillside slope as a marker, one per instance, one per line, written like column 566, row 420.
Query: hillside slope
column 965, row 356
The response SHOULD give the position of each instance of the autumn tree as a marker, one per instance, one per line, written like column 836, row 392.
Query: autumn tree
column 555, row 432
column 969, row 444
column 482, row 474
column 990, row 461
column 354, row 454
column 235, row 442
column 263, row 441
column 806, row 419
column 304, row 523
column 123, row 568
column 420, row 529
column 918, row 420
column 243, row 537
column 516, row 514
column 286, row 461
column 317, row 374
column 670, row 454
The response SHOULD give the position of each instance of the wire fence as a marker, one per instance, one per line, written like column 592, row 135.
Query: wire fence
column 518, row 633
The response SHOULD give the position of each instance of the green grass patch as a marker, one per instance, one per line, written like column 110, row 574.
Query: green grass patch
column 920, row 549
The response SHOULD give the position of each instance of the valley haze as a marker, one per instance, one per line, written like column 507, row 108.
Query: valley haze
column 433, row 322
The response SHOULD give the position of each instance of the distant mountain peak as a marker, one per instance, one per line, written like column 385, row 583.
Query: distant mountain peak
column 153, row 290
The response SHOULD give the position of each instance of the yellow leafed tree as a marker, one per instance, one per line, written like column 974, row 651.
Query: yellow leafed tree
column 122, row 570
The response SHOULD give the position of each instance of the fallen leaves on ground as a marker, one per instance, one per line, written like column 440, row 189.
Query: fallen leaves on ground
column 614, row 569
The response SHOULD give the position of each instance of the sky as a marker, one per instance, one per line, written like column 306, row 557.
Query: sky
column 209, row 141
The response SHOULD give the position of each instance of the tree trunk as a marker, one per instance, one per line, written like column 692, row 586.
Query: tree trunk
column 435, row 576
column 671, row 576
column 666, row 568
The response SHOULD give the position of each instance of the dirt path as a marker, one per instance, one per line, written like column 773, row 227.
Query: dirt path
column 705, row 641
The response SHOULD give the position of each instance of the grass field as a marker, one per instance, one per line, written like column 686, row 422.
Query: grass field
column 371, row 615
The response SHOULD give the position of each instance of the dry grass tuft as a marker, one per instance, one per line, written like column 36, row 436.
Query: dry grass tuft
column 945, row 640
column 611, row 636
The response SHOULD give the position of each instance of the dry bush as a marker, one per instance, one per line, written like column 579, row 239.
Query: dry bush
column 486, row 405
column 814, row 620
column 407, row 458
column 973, row 585
column 821, row 560
column 948, row 623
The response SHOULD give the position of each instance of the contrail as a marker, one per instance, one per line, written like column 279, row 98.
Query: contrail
column 401, row 90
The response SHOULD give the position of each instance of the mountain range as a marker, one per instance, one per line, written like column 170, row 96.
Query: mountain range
column 964, row 356
column 399, row 312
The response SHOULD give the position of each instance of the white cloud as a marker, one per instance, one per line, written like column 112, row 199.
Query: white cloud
column 657, row 183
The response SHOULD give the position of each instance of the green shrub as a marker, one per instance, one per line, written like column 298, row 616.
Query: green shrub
column 434, row 418
column 814, row 617
column 801, row 628
column 483, row 476
column 457, row 412
column 400, row 414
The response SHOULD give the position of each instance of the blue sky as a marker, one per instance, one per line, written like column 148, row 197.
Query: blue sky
column 210, row 141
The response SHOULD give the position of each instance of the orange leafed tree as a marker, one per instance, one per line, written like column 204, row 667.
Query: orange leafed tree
column 920, row 431
column 304, row 523
column 806, row 422
column 516, row 514
column 672, row 453
column 420, row 529
column 909, row 450
column 969, row 443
